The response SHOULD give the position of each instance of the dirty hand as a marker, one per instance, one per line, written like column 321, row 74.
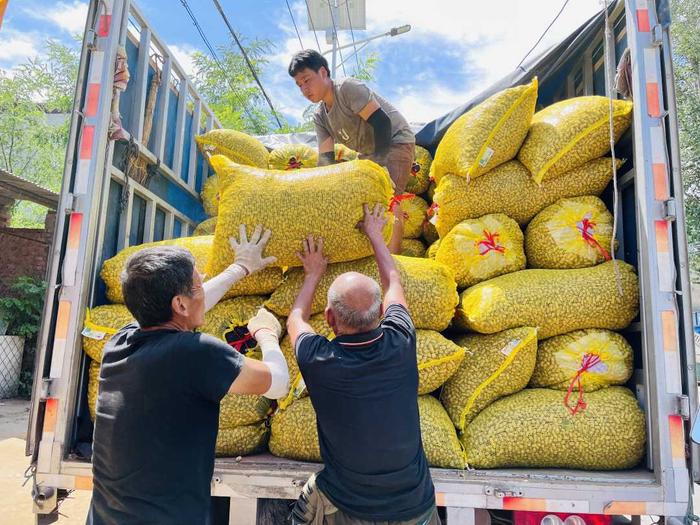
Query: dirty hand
column 264, row 320
column 374, row 222
column 249, row 252
column 312, row 257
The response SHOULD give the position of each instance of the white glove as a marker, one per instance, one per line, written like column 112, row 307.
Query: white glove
column 216, row 287
column 264, row 320
column 249, row 252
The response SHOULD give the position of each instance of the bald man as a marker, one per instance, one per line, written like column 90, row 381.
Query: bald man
column 364, row 388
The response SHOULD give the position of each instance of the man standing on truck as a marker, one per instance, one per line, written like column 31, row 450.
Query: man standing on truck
column 350, row 113
column 363, row 386
column 161, row 384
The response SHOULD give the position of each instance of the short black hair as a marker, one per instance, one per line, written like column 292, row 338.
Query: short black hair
column 152, row 278
column 307, row 59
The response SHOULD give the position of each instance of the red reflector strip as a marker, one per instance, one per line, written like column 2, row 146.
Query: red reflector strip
column 510, row 503
column 83, row 483
column 93, row 97
column 677, row 434
column 668, row 324
column 74, row 229
column 103, row 25
column 70, row 262
column 661, row 192
column 643, row 21
column 50, row 415
column 86, row 142
column 653, row 107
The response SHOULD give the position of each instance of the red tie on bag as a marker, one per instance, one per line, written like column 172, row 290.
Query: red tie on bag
column 587, row 362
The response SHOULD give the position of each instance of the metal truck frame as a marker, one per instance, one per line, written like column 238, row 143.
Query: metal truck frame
column 101, row 210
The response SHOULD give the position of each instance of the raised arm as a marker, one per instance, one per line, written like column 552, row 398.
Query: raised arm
column 315, row 264
column 373, row 226
column 248, row 260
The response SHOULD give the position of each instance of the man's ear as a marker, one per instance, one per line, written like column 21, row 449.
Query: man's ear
column 330, row 318
column 178, row 305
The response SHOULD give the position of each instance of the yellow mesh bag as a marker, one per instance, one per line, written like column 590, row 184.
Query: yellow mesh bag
column 211, row 195
column 487, row 135
column 480, row 249
column 293, row 157
column 431, row 190
column 555, row 301
column 430, row 234
column 206, row 227
column 237, row 146
column 509, row 189
column 343, row 153
column 533, row 428
column 438, row 358
column 586, row 360
column 573, row 233
column 262, row 282
column 494, row 366
column 229, row 314
column 419, row 180
column 431, row 253
column 414, row 209
column 412, row 248
column 326, row 201
column 440, row 443
column 93, row 388
column 241, row 441
column 238, row 410
column 294, row 434
column 570, row 133
column 430, row 289
column 100, row 324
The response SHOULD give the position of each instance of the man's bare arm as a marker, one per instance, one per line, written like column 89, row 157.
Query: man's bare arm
column 315, row 264
column 373, row 226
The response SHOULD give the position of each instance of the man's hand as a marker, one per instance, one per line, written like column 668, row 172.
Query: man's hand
column 264, row 321
column 373, row 223
column 249, row 252
column 315, row 263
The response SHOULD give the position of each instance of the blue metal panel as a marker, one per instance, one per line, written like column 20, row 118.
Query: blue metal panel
column 138, row 221
column 126, row 101
column 170, row 129
column 159, row 225
column 178, row 197
column 177, row 229
column 186, row 149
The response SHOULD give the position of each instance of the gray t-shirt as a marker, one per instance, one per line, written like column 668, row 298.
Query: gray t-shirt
column 345, row 126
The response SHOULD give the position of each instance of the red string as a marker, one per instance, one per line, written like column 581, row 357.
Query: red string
column 293, row 164
column 587, row 362
column 238, row 344
column 396, row 199
column 490, row 243
column 586, row 226
column 432, row 209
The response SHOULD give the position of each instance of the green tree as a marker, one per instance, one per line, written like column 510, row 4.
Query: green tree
column 685, row 31
column 31, row 147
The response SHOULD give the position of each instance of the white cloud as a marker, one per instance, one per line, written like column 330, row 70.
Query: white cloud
column 183, row 54
column 18, row 47
column 432, row 101
column 68, row 16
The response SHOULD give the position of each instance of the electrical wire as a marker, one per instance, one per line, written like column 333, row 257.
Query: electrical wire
column 352, row 34
column 335, row 37
column 216, row 59
column 543, row 34
column 294, row 22
column 313, row 27
column 248, row 62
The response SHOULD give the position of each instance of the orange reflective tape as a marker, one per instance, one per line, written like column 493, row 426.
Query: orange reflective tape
column 83, row 483
column 93, row 96
column 662, row 236
column 630, row 508
column 675, row 429
column 86, row 142
column 103, row 25
column 660, row 181
column 530, row 504
column 62, row 319
column 440, row 499
column 3, row 6
column 653, row 107
column 74, row 227
column 50, row 415
column 668, row 327
column 643, row 21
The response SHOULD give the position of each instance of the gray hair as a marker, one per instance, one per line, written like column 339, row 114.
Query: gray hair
column 360, row 320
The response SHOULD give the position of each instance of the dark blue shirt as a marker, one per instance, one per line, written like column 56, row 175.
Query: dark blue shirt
column 364, row 388
column 156, row 426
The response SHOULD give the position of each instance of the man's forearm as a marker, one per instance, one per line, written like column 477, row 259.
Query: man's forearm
column 216, row 288
column 385, row 263
column 302, row 305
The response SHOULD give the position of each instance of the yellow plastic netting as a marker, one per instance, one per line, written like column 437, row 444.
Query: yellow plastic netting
column 101, row 323
column 293, row 157
column 241, row 441
column 237, row 146
column 206, row 227
column 573, row 233
column 326, row 202
column 487, row 135
column 494, row 366
column 570, row 133
column 430, row 289
column 412, row 248
column 419, row 180
column 262, row 282
column 211, row 195
column 343, row 153
column 533, row 428
column 509, row 189
column 555, row 301
column 93, row 388
column 414, row 209
column 480, row 249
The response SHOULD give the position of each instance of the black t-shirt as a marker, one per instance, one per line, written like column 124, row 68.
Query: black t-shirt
column 364, row 388
column 156, row 426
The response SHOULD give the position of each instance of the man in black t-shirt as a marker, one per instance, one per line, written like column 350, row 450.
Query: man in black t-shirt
column 364, row 388
column 161, row 383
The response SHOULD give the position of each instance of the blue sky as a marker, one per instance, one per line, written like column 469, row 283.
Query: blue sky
column 454, row 50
